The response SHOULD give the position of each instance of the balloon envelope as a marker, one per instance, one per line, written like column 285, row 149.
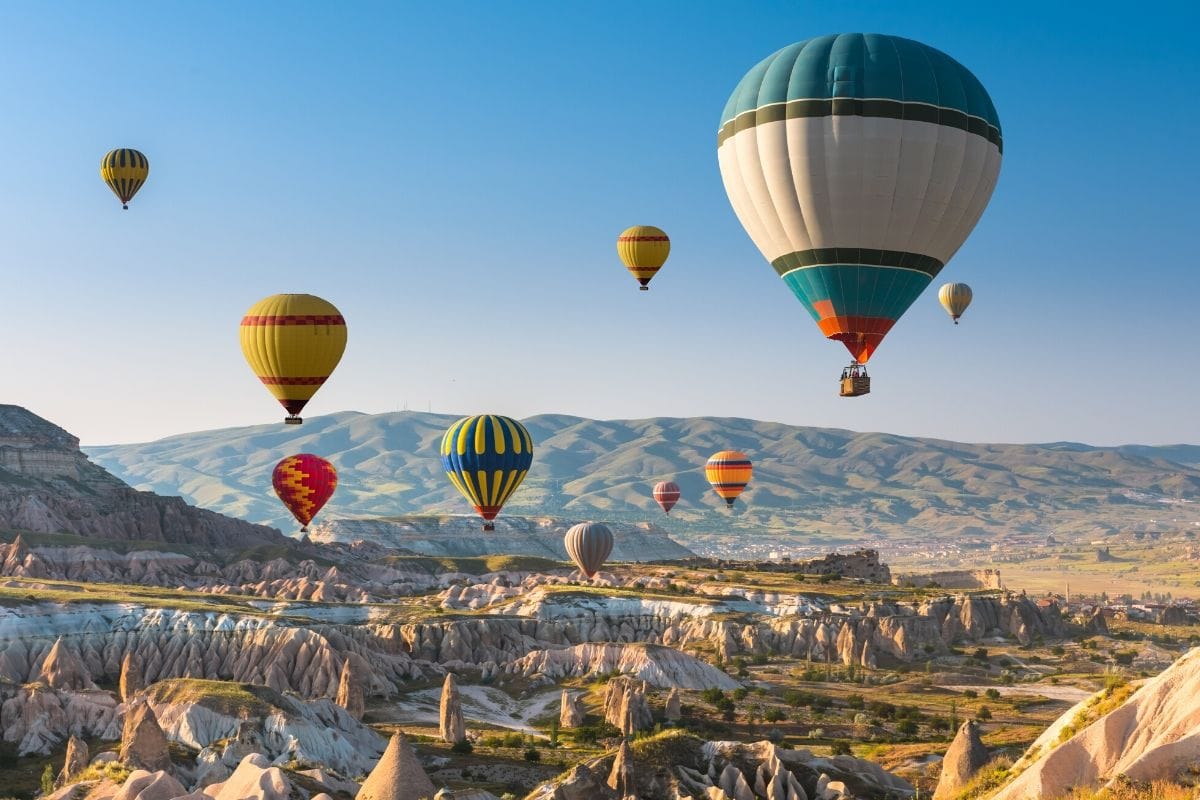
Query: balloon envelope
column 955, row 297
column 304, row 483
column 643, row 249
column 666, row 494
column 124, row 170
column 486, row 457
column 293, row 342
column 589, row 544
column 728, row 471
column 858, row 164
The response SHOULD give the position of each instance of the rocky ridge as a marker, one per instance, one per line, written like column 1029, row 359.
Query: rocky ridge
column 47, row 485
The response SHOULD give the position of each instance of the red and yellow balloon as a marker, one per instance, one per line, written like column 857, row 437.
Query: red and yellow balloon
column 304, row 483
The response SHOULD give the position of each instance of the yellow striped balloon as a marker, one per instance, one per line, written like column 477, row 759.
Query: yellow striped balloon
column 486, row 457
column 124, row 170
column 643, row 249
column 955, row 297
column 728, row 471
column 293, row 342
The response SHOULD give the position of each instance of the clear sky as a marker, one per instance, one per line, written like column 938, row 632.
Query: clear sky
column 453, row 175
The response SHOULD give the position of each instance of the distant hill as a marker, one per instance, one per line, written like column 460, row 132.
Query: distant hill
column 835, row 484
column 47, row 485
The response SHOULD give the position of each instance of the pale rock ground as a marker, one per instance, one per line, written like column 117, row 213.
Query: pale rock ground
column 480, row 704
column 1153, row 735
column 662, row 667
column 316, row 731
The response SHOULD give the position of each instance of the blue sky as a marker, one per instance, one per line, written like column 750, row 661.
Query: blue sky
column 453, row 176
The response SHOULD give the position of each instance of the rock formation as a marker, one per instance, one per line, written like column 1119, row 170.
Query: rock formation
column 143, row 743
column 38, row 719
column 398, row 775
column 59, row 490
column 966, row 756
column 202, row 714
column 674, row 709
column 131, row 681
column 254, row 779
column 350, row 695
column 625, row 706
column 1150, row 736
column 450, row 716
column 77, row 758
column 62, row 669
column 663, row 667
column 145, row 785
column 570, row 712
column 621, row 779
column 1096, row 624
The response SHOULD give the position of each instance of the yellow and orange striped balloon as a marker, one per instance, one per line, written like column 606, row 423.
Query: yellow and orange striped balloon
column 643, row 249
column 728, row 471
column 293, row 342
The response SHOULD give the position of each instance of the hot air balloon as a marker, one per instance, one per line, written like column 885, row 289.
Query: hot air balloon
column 304, row 483
column 858, row 164
column 124, row 170
column 486, row 457
column 588, row 544
column 955, row 297
column 293, row 342
column 666, row 494
column 643, row 249
column 728, row 471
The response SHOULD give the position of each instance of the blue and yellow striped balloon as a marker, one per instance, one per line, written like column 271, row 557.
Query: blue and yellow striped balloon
column 486, row 457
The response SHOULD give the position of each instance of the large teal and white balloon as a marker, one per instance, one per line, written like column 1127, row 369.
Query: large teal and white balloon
column 858, row 164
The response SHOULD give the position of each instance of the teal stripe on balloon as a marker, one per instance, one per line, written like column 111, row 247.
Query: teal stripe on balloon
column 857, row 290
column 862, row 65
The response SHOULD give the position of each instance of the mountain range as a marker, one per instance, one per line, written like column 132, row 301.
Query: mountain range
column 830, row 485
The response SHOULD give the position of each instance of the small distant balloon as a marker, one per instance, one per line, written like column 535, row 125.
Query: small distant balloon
column 955, row 297
column 643, row 249
column 304, row 483
column 666, row 494
column 728, row 471
column 124, row 170
column 589, row 545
